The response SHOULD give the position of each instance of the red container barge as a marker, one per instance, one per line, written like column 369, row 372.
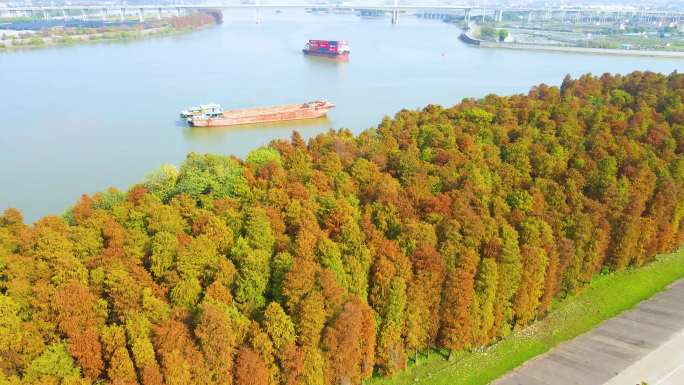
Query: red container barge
column 328, row 48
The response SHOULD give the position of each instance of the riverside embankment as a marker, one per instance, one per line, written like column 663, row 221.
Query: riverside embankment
column 558, row 48
column 640, row 344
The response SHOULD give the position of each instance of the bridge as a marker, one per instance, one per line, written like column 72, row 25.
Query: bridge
column 467, row 12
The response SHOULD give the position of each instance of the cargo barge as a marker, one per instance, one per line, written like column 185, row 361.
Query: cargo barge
column 328, row 48
column 212, row 115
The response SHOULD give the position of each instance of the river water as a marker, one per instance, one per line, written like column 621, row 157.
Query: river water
column 82, row 118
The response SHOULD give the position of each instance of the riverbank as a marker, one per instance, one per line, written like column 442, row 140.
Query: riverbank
column 595, row 51
column 38, row 41
column 52, row 37
column 605, row 297
column 558, row 48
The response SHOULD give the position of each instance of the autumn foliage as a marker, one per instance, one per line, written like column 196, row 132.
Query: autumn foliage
column 325, row 261
column 196, row 19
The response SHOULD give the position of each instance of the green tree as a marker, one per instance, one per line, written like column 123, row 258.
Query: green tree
column 279, row 326
column 54, row 363
column 164, row 249
column 186, row 292
column 486, row 282
column 162, row 182
column 391, row 352
column 262, row 157
column 253, row 267
column 217, row 175
column 503, row 34
column 310, row 319
column 531, row 287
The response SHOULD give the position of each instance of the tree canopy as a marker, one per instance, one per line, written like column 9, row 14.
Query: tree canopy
column 324, row 261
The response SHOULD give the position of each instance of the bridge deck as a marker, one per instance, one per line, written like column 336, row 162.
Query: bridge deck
column 385, row 7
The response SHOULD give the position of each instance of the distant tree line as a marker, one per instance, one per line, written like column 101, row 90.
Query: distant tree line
column 324, row 262
column 196, row 19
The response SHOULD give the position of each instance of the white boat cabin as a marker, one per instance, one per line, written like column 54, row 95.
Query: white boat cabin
column 204, row 111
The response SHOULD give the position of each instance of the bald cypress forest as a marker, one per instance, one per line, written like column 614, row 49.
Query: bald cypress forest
column 331, row 260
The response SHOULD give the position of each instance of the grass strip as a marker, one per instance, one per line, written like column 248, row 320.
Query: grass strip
column 605, row 297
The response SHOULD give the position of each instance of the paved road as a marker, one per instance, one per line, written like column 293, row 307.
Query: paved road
column 664, row 366
column 643, row 344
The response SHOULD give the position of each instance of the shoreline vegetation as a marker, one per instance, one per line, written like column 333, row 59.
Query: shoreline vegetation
column 340, row 258
column 607, row 296
column 55, row 37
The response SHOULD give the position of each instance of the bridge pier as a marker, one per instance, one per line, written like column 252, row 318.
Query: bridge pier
column 46, row 14
column 104, row 14
column 466, row 18
column 122, row 15
column 257, row 14
column 395, row 13
column 395, row 17
column 84, row 15
column 499, row 16
column 178, row 12
column 159, row 13
column 64, row 14
column 141, row 15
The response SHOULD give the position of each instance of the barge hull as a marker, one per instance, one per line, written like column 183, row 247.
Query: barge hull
column 339, row 56
column 263, row 115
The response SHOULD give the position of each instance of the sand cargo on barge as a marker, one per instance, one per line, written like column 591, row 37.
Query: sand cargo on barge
column 216, row 117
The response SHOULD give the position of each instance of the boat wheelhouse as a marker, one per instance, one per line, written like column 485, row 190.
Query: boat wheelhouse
column 210, row 110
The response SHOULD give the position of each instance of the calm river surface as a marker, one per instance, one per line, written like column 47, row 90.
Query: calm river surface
column 80, row 119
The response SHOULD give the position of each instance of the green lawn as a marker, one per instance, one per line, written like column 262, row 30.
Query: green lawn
column 606, row 296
